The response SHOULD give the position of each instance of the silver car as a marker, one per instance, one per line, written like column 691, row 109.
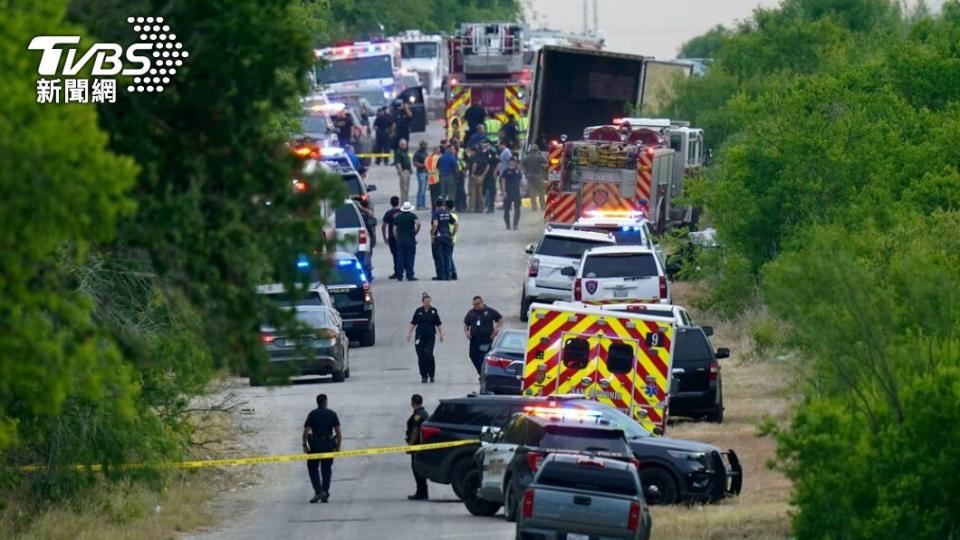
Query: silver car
column 320, row 348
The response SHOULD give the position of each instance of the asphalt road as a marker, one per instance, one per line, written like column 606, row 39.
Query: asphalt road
column 369, row 494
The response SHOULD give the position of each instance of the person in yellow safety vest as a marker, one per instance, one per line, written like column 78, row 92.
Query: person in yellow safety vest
column 522, row 124
column 433, row 176
column 456, row 219
column 492, row 127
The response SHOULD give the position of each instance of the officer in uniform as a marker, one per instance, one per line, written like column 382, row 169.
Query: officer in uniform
column 321, row 433
column 426, row 321
column 480, row 326
column 416, row 419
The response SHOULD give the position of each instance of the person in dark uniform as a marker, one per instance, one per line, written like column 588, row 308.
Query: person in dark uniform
column 416, row 419
column 426, row 321
column 321, row 433
column 511, row 181
column 480, row 326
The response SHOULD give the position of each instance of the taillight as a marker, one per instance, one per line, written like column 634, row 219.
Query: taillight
column 326, row 333
column 634, row 521
column 714, row 370
column 663, row 288
column 577, row 293
column 534, row 269
column 367, row 293
column 496, row 361
column 528, row 504
column 534, row 459
column 362, row 237
column 267, row 338
column 427, row 433
column 636, row 463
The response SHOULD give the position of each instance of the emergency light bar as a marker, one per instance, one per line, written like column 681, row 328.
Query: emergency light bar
column 349, row 50
column 327, row 107
column 555, row 412
column 632, row 214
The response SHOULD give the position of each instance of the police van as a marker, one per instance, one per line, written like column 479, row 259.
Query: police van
column 620, row 358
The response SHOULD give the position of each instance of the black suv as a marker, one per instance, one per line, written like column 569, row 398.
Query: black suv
column 699, row 387
column 672, row 470
column 511, row 459
column 349, row 287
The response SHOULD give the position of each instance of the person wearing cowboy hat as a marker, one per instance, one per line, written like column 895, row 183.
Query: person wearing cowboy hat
column 426, row 321
column 406, row 225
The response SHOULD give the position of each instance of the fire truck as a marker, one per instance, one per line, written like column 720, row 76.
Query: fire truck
column 486, row 68
column 621, row 358
column 611, row 176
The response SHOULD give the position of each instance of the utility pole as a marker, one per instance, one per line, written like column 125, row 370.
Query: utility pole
column 596, row 23
column 586, row 21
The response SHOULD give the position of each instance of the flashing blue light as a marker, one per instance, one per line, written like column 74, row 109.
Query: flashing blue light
column 303, row 262
column 344, row 262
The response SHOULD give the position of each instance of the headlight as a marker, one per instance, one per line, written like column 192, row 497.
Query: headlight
column 700, row 457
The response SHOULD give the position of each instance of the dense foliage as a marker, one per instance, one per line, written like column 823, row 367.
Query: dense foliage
column 836, row 191
column 371, row 18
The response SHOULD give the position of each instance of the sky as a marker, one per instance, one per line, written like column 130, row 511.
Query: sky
column 649, row 27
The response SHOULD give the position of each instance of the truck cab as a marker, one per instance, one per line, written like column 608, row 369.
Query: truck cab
column 425, row 55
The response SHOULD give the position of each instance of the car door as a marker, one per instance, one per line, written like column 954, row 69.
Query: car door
column 691, row 361
column 577, row 368
column 497, row 456
column 414, row 97
column 616, row 367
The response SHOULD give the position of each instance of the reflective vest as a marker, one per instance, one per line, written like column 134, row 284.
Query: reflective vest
column 522, row 127
column 431, row 166
column 456, row 127
column 492, row 127
column 456, row 219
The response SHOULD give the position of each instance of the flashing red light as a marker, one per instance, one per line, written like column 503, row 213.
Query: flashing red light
column 453, row 81
column 618, row 121
column 300, row 186
column 650, row 151
column 267, row 338
column 634, row 521
column 302, row 151
column 528, row 504
column 427, row 433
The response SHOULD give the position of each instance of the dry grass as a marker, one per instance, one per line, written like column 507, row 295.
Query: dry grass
column 754, row 389
column 119, row 511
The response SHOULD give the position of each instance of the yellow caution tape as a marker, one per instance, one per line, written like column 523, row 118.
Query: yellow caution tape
column 375, row 155
column 199, row 464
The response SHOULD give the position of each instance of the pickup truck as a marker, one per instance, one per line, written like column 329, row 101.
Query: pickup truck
column 575, row 497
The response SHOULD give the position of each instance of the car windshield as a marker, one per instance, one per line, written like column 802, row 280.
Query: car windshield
column 346, row 272
column 347, row 217
column 314, row 123
column 512, row 340
column 352, row 182
column 559, row 246
column 355, row 69
column 315, row 318
column 588, row 477
column 419, row 50
column 691, row 346
column 625, row 265
column 584, row 439
column 631, row 429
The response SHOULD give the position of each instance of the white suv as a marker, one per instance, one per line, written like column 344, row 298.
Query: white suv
column 557, row 249
column 620, row 274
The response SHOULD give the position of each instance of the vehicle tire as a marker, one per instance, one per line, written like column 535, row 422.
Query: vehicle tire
column 659, row 487
column 338, row 375
column 525, row 302
column 459, row 474
column 510, row 501
column 475, row 505
column 346, row 373
column 369, row 338
column 716, row 415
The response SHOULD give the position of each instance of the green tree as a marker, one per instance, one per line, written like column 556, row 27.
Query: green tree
column 705, row 45
column 63, row 193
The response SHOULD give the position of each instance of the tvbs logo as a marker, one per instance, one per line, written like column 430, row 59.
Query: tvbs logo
column 148, row 64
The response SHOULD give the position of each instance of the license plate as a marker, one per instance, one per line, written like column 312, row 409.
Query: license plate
column 577, row 536
column 619, row 293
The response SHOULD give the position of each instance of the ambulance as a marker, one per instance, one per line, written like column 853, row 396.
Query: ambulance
column 621, row 358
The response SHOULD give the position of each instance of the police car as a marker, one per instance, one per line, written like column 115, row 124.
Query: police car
column 620, row 274
column 558, row 249
column 630, row 229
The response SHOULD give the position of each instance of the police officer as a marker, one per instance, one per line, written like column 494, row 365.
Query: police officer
column 321, row 433
column 480, row 326
column 418, row 417
column 426, row 320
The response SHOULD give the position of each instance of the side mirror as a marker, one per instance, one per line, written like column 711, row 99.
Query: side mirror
column 488, row 434
column 657, row 430
column 569, row 271
column 371, row 188
column 529, row 249
column 723, row 352
column 708, row 330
